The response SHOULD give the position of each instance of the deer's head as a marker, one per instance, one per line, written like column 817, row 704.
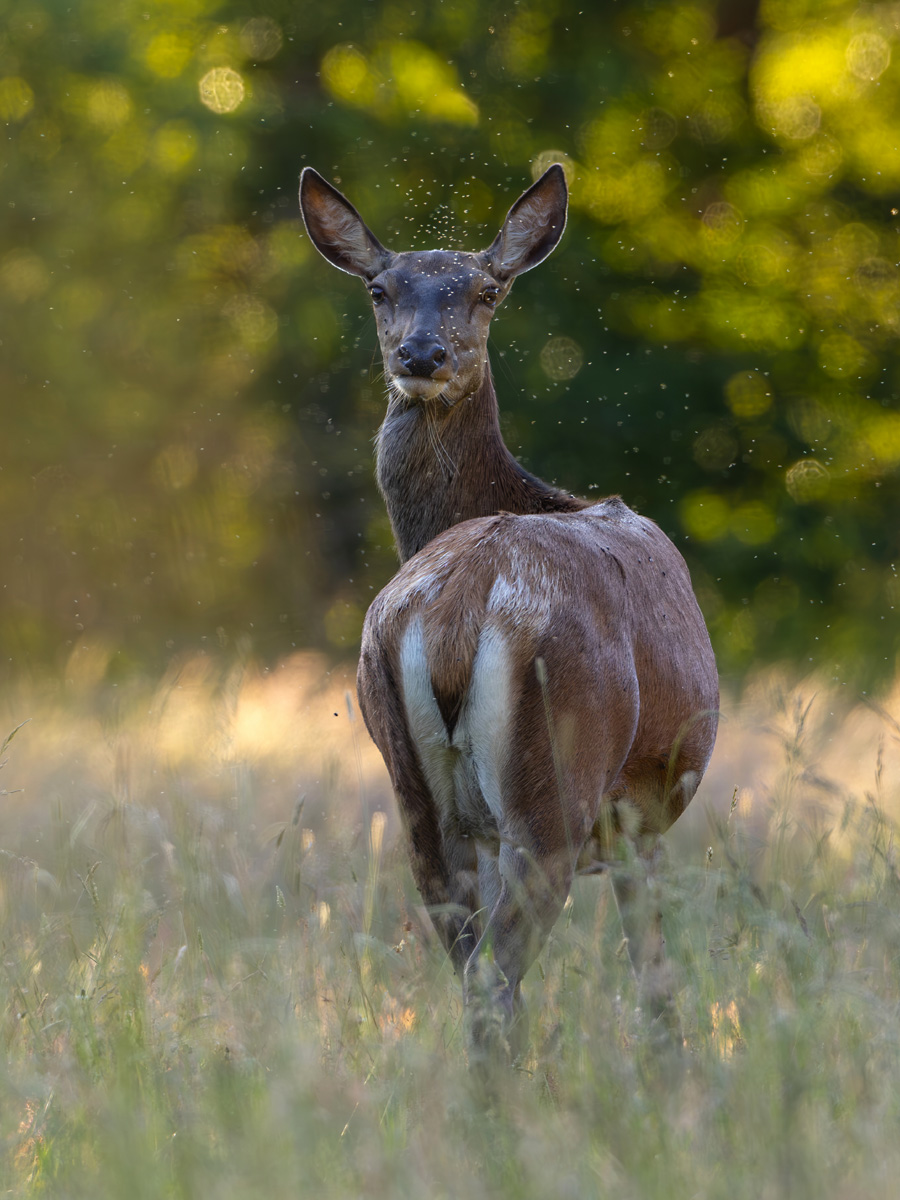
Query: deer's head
column 433, row 308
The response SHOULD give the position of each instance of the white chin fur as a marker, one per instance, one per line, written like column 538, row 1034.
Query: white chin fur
column 418, row 389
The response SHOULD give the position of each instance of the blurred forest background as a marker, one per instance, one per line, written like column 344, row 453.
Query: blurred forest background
column 190, row 392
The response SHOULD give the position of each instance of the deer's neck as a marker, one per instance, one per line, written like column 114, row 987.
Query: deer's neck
column 438, row 466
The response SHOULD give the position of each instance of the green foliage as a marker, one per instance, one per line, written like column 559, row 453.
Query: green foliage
column 190, row 393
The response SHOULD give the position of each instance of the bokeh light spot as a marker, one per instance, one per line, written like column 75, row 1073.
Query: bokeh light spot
column 842, row 357
column 222, row 89
column 16, row 98
column 348, row 76
column 261, row 38
column 722, row 223
column 23, row 275
column 659, row 127
column 256, row 323
column 546, row 158
column 748, row 395
column 807, row 480
column 705, row 515
column 868, row 55
column 882, row 433
column 715, row 448
column 168, row 54
column 753, row 523
column 108, row 104
column 174, row 147
column 561, row 358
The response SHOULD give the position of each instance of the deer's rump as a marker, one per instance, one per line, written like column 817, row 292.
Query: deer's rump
column 528, row 646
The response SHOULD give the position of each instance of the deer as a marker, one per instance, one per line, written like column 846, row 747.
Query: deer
column 537, row 675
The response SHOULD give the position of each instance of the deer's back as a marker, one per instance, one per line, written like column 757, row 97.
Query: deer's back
column 600, row 594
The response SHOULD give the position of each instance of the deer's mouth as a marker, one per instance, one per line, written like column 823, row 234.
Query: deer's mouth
column 418, row 387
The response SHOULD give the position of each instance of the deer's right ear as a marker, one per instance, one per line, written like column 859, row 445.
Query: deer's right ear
column 337, row 230
column 532, row 228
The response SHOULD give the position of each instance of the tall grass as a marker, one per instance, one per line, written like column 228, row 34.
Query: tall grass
column 220, row 981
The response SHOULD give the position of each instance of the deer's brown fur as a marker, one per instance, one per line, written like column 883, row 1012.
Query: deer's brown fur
column 537, row 675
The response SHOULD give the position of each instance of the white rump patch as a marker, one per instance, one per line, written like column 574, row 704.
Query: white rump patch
column 483, row 732
column 463, row 773
column 424, row 717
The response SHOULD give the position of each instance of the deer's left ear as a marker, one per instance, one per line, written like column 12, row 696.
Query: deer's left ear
column 532, row 228
column 337, row 230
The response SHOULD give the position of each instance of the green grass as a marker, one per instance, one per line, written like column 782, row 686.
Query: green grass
column 214, row 990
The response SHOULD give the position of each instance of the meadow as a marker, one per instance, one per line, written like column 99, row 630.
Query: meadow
column 219, row 979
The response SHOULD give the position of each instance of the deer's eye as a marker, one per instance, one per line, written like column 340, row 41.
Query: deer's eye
column 490, row 296
column 377, row 294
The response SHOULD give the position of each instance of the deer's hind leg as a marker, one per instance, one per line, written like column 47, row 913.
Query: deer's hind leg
column 422, row 765
column 644, row 812
column 530, row 894
column 443, row 861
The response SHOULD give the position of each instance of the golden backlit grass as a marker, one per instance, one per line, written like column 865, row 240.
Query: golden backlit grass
column 219, row 979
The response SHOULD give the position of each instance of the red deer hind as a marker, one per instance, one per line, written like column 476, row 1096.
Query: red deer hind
column 537, row 675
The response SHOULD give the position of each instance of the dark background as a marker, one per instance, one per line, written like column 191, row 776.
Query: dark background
column 189, row 392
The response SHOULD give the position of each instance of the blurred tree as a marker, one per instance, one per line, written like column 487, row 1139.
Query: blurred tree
column 190, row 393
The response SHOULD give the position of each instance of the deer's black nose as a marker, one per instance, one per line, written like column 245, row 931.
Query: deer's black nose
column 421, row 355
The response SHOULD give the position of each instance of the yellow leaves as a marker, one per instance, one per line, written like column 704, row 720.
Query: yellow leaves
column 753, row 523
column 721, row 224
column 223, row 250
column 103, row 103
column 23, row 275
column 174, row 147
column 616, row 192
column 794, row 77
column 617, row 133
column 748, row 395
column 882, row 435
column 400, row 79
column 876, row 150
column 288, row 246
column 658, row 128
column 168, row 53
column 655, row 315
column 675, row 29
column 425, row 83
column 737, row 317
column 254, row 321
column 822, row 85
column 523, row 42
column 821, row 156
column 41, row 139
column 16, row 98
column 347, row 75
column 843, row 357
column 705, row 515
column 78, row 301
column 708, row 517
